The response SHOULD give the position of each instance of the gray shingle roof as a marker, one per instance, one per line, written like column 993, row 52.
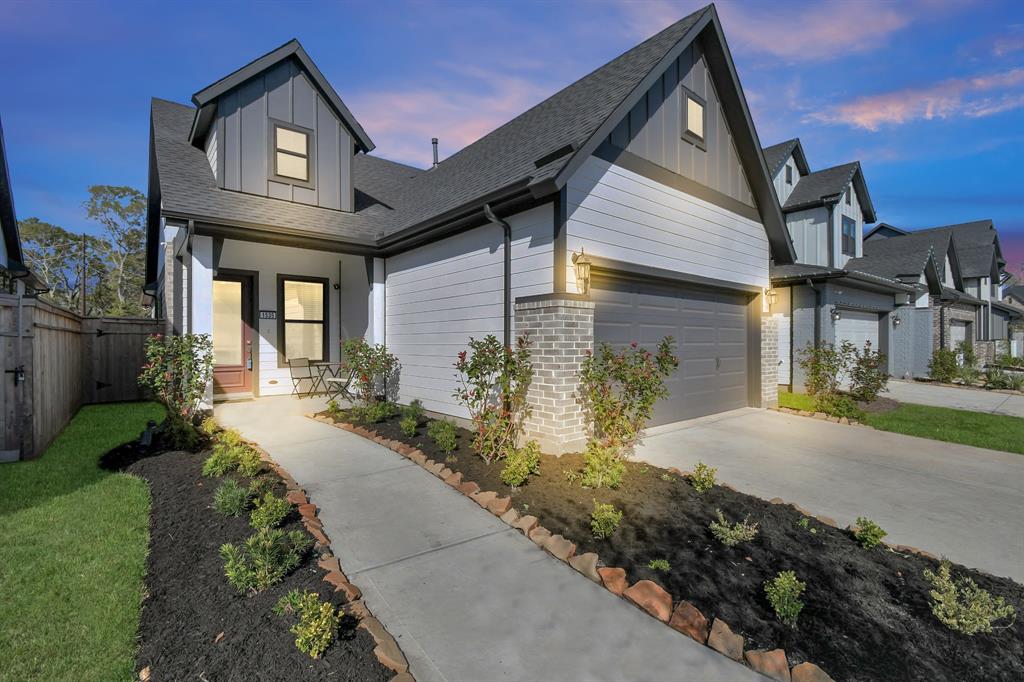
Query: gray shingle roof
column 977, row 244
column 1016, row 291
column 800, row 271
column 777, row 154
column 815, row 187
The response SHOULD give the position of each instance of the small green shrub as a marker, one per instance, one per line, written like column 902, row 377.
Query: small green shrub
column 969, row 375
column 408, row 426
column 602, row 466
column 868, row 374
column 264, row 558
column 783, row 592
column 318, row 621
column 413, row 410
column 659, row 565
column 221, row 461
column 209, row 426
column 997, row 378
column 375, row 412
column 839, row 405
column 520, row 463
column 964, row 607
column 805, row 523
column 269, row 511
column 703, row 478
column 443, row 433
column 261, row 485
column 249, row 461
column 604, row 520
column 868, row 533
column 230, row 499
column 943, row 366
column 732, row 534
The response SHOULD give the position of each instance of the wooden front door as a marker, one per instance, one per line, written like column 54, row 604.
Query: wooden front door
column 232, row 334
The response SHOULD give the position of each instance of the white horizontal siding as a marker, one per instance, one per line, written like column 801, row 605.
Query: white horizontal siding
column 441, row 294
column 617, row 214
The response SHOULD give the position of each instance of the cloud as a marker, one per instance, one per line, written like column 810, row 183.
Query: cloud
column 973, row 97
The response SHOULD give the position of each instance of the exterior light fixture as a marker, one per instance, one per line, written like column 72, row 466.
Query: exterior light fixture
column 836, row 315
column 771, row 295
column 896, row 321
column 581, row 264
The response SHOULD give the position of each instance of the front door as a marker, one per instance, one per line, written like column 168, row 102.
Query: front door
column 232, row 334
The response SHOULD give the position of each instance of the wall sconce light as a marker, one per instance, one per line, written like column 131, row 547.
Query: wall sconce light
column 896, row 321
column 581, row 264
column 336, row 286
column 836, row 315
column 771, row 295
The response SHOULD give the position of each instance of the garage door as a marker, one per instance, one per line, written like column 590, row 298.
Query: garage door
column 710, row 329
column 857, row 327
column 957, row 332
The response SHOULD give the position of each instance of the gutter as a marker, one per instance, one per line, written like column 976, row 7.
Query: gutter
column 506, row 327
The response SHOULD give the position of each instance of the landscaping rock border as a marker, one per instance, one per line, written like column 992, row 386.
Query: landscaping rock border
column 821, row 415
column 644, row 594
column 387, row 650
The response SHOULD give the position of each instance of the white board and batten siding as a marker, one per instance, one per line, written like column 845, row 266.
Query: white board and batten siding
column 809, row 230
column 617, row 214
column 852, row 211
column 441, row 294
column 782, row 188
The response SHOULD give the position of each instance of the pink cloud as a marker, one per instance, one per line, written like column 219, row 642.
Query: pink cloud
column 974, row 97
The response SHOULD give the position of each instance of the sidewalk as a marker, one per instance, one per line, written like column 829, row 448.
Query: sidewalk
column 467, row 597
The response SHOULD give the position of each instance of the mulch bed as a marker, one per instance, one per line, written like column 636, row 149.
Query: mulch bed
column 880, row 405
column 866, row 614
column 194, row 624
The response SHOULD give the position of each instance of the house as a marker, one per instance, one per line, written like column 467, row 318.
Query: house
column 1014, row 295
column 15, row 277
column 273, row 227
column 968, row 307
column 826, row 296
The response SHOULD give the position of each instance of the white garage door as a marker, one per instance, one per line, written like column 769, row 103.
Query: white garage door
column 858, row 327
column 957, row 332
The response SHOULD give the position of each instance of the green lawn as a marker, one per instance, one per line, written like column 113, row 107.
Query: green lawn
column 73, row 542
column 993, row 431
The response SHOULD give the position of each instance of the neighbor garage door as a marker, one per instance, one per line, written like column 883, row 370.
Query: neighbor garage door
column 858, row 327
column 957, row 332
column 710, row 330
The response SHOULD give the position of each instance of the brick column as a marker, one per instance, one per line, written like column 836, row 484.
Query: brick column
column 769, row 361
column 561, row 327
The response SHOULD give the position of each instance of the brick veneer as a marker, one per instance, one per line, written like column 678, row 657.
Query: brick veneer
column 561, row 327
column 941, row 320
column 769, row 361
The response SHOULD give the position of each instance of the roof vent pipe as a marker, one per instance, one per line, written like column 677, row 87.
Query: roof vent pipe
column 433, row 142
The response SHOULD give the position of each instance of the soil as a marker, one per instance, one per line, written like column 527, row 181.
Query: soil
column 194, row 624
column 879, row 405
column 866, row 613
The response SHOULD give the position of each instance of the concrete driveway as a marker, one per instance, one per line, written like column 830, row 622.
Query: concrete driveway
column 467, row 597
column 974, row 400
column 954, row 500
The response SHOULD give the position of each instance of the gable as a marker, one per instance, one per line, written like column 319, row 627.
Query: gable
column 653, row 129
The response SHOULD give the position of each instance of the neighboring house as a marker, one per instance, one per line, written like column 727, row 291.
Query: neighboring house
column 271, row 227
column 15, row 277
column 827, row 296
column 1014, row 296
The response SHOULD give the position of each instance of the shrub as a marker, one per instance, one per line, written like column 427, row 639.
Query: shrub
column 602, row 466
column 824, row 364
column 964, row 607
column 408, row 426
column 221, row 461
column 443, row 433
column 261, row 485
column 619, row 389
column 493, row 381
column 868, row 533
column 413, row 410
column 177, row 371
column 839, row 405
column 733, row 534
column 996, row 378
column 520, row 463
column 318, row 621
column 264, row 559
column 659, row 565
column 944, row 365
column 969, row 375
column 604, row 520
column 249, row 461
column 783, row 592
column 375, row 412
column 231, row 499
column 372, row 367
column 268, row 511
column 333, row 408
column 209, row 426
column 965, row 351
column 703, row 478
column 868, row 374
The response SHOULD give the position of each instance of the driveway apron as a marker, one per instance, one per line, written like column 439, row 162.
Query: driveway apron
column 970, row 399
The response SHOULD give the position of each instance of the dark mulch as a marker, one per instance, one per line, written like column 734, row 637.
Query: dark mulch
column 880, row 405
column 189, row 602
column 866, row 614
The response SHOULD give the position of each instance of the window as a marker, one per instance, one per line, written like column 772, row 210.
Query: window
column 302, row 318
column 291, row 152
column 789, row 174
column 849, row 197
column 849, row 236
column 694, row 118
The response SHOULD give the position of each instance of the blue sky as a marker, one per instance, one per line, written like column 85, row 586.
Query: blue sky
column 927, row 94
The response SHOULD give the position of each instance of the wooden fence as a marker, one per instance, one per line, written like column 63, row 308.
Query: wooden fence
column 54, row 361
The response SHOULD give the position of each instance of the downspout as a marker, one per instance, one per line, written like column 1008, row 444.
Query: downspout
column 507, row 229
column 832, row 228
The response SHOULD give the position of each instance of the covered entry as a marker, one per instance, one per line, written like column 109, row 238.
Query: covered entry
column 711, row 329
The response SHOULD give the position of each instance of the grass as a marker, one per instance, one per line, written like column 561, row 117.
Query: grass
column 74, row 541
column 980, row 429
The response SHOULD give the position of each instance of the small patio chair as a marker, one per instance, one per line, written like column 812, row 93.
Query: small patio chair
column 340, row 384
column 300, row 370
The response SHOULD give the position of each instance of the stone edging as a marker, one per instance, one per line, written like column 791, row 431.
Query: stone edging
column 820, row 415
column 386, row 650
column 645, row 594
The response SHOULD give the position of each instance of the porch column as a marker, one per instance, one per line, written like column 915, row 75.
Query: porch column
column 377, row 301
column 201, row 305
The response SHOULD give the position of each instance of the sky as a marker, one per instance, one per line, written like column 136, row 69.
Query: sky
column 927, row 94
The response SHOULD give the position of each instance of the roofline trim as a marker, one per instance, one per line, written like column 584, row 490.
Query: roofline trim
column 8, row 217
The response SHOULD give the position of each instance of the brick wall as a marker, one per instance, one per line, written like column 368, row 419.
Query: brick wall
column 561, row 328
column 941, row 320
column 769, row 361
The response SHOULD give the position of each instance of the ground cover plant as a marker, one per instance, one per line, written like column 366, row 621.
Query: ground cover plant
column 866, row 615
column 61, row 510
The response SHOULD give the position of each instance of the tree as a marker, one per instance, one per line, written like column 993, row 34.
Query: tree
column 122, row 212
column 56, row 256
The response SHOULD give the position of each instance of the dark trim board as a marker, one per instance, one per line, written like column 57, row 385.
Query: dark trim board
column 263, row 235
column 622, row 269
column 652, row 171
column 282, row 363
column 560, row 244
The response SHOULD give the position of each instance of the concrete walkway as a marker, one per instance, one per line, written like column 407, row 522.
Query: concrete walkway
column 467, row 597
column 957, row 398
column 962, row 502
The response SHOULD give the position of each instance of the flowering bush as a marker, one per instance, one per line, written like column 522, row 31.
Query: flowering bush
column 373, row 366
column 619, row 389
column 493, row 381
column 177, row 372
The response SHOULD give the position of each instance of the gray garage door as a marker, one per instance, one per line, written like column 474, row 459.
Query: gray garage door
column 710, row 329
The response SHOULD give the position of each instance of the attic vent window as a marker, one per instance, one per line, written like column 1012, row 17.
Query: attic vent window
column 849, row 200
column 291, row 152
column 694, row 117
column 789, row 174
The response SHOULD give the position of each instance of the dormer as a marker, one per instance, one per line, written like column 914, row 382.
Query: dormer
column 786, row 164
column 277, row 128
